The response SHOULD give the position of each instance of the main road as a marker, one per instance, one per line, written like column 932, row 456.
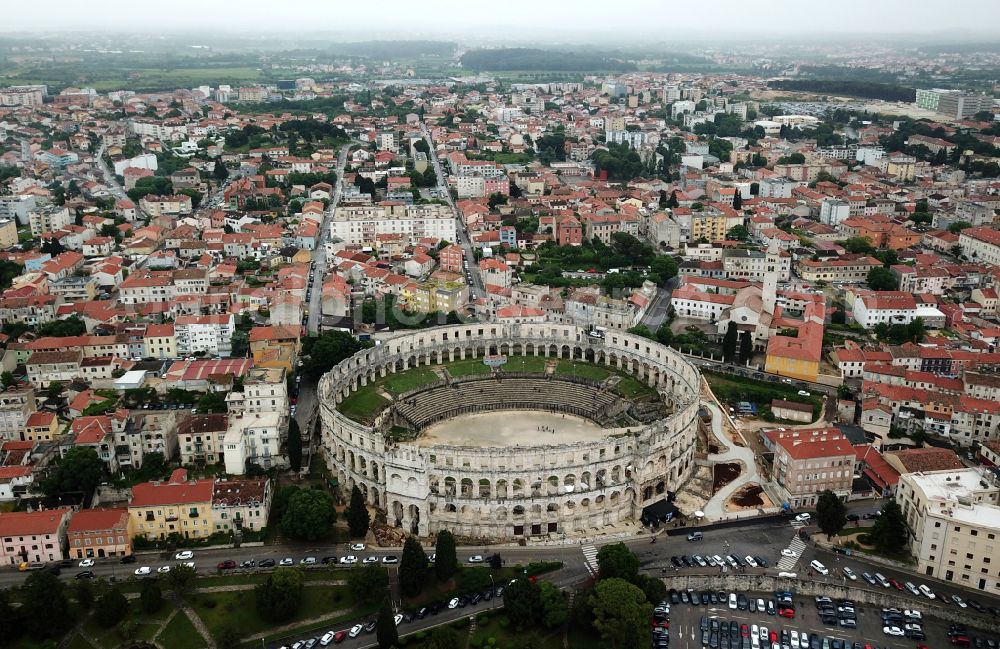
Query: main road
column 477, row 287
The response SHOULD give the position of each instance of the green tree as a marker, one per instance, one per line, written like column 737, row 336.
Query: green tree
column 150, row 597
column 358, row 518
column 444, row 637
column 11, row 623
column 654, row 589
column 181, row 580
column 446, row 556
column 617, row 561
column 831, row 514
column 71, row 326
column 412, row 568
column 889, row 533
column 368, row 584
column 212, row 402
column 385, row 627
column 662, row 269
column 84, row 592
column 328, row 350
column 228, row 637
column 279, row 597
column 621, row 612
column 881, row 278
column 294, row 445
column 859, row 245
column 738, row 232
column 309, row 515
column 958, row 226
column 55, row 390
column 110, row 608
column 737, row 200
column 79, row 470
column 729, row 343
column 219, row 171
column 746, row 346
column 44, row 606
column 522, row 603
column 553, row 605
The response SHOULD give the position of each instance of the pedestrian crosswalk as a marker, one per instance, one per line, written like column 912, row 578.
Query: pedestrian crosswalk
column 797, row 545
column 590, row 557
column 796, row 524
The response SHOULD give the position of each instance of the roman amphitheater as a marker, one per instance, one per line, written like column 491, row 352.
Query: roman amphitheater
column 501, row 431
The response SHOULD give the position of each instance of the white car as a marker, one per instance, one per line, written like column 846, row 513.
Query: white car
column 357, row 547
column 145, row 570
column 476, row 558
column 184, row 555
column 398, row 618
column 849, row 574
column 788, row 575
column 803, row 393
column 432, row 558
column 356, row 630
column 913, row 613
column 732, row 601
column 349, row 560
column 453, row 603
column 163, row 570
column 959, row 602
column 189, row 564
column 368, row 560
column 287, row 561
column 819, row 567
column 327, row 638
column 926, row 592
column 803, row 517
column 894, row 631
column 308, row 561
column 390, row 559
column 718, row 560
column 751, row 561
column 788, row 552
column 912, row 588
column 795, row 638
column 87, row 563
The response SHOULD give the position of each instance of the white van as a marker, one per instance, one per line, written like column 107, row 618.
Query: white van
column 819, row 567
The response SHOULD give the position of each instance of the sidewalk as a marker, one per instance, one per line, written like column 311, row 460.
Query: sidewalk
column 715, row 508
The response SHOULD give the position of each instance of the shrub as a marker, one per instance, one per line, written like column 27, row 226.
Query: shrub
column 475, row 642
column 210, row 603
column 504, row 621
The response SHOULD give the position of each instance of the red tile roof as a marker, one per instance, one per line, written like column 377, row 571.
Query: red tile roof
column 31, row 523
column 92, row 520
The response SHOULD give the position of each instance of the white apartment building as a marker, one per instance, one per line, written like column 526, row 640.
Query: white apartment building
column 49, row 219
column 755, row 266
column 833, row 211
column 209, row 334
column 16, row 405
column 362, row 224
column 981, row 244
column 264, row 390
column 955, row 520
column 253, row 438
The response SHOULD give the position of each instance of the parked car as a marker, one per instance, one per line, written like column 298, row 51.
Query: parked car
column 143, row 571
column 819, row 567
column 85, row 574
column 476, row 558
column 87, row 563
column 228, row 564
column 266, row 563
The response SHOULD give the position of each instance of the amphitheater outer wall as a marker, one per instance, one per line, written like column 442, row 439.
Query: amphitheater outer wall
column 504, row 492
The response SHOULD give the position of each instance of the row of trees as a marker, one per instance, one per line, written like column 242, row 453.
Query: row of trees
column 889, row 534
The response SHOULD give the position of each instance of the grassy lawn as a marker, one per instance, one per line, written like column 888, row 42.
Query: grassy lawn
column 467, row 367
column 525, row 364
column 362, row 404
column 730, row 389
column 409, row 380
column 257, row 578
column 505, row 636
column 327, row 624
column 633, row 388
column 583, row 370
column 180, row 634
column 239, row 608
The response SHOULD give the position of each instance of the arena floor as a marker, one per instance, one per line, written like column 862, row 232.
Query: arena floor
column 510, row 428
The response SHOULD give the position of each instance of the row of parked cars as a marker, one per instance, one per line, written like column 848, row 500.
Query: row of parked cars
column 336, row 637
column 716, row 560
column 842, row 612
column 661, row 626
column 908, row 623
column 781, row 604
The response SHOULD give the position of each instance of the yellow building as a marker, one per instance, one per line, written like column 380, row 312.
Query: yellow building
column 712, row 225
column 798, row 357
column 159, row 341
column 275, row 346
column 902, row 167
column 439, row 296
column 8, row 233
column 42, row 426
column 177, row 506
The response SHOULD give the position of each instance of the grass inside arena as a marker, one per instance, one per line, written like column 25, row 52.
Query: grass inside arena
column 364, row 403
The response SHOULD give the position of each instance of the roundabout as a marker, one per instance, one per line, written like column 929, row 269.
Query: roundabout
column 507, row 431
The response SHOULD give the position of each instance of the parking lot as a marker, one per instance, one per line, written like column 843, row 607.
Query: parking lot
column 686, row 624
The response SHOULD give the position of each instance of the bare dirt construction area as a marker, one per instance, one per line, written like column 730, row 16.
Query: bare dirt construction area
column 724, row 474
column 751, row 496
column 694, row 493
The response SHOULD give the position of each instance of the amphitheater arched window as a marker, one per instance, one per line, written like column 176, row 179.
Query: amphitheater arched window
column 615, row 497
column 500, row 513
column 375, row 470
column 536, row 510
column 570, row 505
column 484, row 488
column 450, row 508
column 501, row 489
column 585, row 503
column 661, row 486
column 600, row 501
column 553, row 484
column 616, row 474
column 434, row 483
column 449, row 486
column 466, row 487
column 602, row 477
column 519, row 510
column 552, row 508
column 569, row 482
column 647, row 493
column 585, row 479
column 518, row 487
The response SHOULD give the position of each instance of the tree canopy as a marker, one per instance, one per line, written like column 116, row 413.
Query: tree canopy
column 621, row 612
column 446, row 556
column 279, row 597
column 368, row 584
column 890, row 534
column 79, row 470
column 358, row 518
column 617, row 561
column 412, row 568
column 328, row 350
column 309, row 515
column 831, row 514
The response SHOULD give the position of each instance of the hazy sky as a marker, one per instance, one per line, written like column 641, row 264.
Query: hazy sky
column 450, row 17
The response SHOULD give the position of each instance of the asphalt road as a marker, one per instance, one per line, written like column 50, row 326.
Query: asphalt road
column 477, row 287
column 319, row 253
column 656, row 314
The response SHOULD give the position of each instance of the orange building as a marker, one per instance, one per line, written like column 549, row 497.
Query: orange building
column 99, row 533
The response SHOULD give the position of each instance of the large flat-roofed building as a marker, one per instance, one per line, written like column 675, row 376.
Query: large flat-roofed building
column 955, row 521
column 808, row 461
column 362, row 224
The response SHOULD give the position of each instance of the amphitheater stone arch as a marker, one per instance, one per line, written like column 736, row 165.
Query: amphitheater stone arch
column 503, row 492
